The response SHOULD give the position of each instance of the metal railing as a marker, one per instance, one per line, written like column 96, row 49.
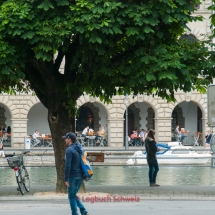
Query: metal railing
column 117, row 154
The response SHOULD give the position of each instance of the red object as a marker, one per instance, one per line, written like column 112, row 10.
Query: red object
column 133, row 136
column 16, row 168
column 9, row 134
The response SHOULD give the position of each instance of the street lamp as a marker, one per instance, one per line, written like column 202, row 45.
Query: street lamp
column 126, row 103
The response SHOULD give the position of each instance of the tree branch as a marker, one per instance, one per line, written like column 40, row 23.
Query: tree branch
column 117, row 59
column 68, row 72
column 33, row 76
column 58, row 60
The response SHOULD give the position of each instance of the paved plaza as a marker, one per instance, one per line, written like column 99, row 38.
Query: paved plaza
column 140, row 192
column 56, row 207
column 126, row 200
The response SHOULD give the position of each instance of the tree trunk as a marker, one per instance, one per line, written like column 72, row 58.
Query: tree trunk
column 50, row 88
column 60, row 123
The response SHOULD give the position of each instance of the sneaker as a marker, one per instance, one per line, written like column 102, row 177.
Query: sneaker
column 154, row 185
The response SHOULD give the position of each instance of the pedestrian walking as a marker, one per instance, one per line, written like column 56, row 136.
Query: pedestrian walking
column 151, row 149
column 73, row 173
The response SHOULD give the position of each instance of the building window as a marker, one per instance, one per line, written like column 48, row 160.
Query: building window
column 150, row 119
column 85, row 118
column 174, row 120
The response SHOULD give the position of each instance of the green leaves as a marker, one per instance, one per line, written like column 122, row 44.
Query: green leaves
column 166, row 75
column 131, row 31
column 150, row 77
column 6, row 70
column 81, row 28
column 147, row 29
column 95, row 38
column 62, row 3
column 116, row 30
column 46, row 5
column 104, row 43
column 28, row 35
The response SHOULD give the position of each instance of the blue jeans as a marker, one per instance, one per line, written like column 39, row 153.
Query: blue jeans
column 153, row 170
column 97, row 137
column 74, row 185
column 182, row 138
column 85, row 139
column 135, row 141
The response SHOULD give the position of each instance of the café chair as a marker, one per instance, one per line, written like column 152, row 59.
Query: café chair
column 101, row 141
column 142, row 142
column 81, row 140
column 196, row 139
column 130, row 141
column 35, row 142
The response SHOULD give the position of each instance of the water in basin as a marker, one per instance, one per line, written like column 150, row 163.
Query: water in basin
column 120, row 175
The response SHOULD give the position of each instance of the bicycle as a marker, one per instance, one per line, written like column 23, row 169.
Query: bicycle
column 22, row 178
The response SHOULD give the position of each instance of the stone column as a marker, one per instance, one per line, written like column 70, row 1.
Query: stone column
column 115, row 132
column 18, row 132
column 163, row 129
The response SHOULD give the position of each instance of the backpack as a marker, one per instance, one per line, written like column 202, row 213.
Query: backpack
column 87, row 170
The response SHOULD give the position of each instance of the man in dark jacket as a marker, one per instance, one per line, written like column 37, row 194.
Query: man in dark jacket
column 73, row 172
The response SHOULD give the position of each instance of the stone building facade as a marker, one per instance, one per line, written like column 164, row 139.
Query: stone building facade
column 148, row 112
column 24, row 113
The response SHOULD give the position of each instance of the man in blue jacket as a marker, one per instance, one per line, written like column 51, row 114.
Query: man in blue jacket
column 73, row 172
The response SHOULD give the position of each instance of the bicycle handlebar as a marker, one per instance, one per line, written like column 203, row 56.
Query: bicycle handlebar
column 23, row 153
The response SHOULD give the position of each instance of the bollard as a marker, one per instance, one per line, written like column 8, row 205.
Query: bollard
column 27, row 142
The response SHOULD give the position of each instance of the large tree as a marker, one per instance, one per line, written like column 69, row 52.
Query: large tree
column 131, row 44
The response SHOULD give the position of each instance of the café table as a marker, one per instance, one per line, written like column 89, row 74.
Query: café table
column 91, row 140
column 186, row 140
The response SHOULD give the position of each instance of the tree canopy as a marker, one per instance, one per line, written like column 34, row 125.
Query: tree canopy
column 131, row 44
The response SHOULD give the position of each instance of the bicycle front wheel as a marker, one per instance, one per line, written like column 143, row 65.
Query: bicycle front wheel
column 19, row 180
column 26, row 180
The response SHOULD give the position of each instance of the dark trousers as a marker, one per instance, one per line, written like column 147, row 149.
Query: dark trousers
column 85, row 139
column 97, row 137
column 182, row 138
column 153, row 170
